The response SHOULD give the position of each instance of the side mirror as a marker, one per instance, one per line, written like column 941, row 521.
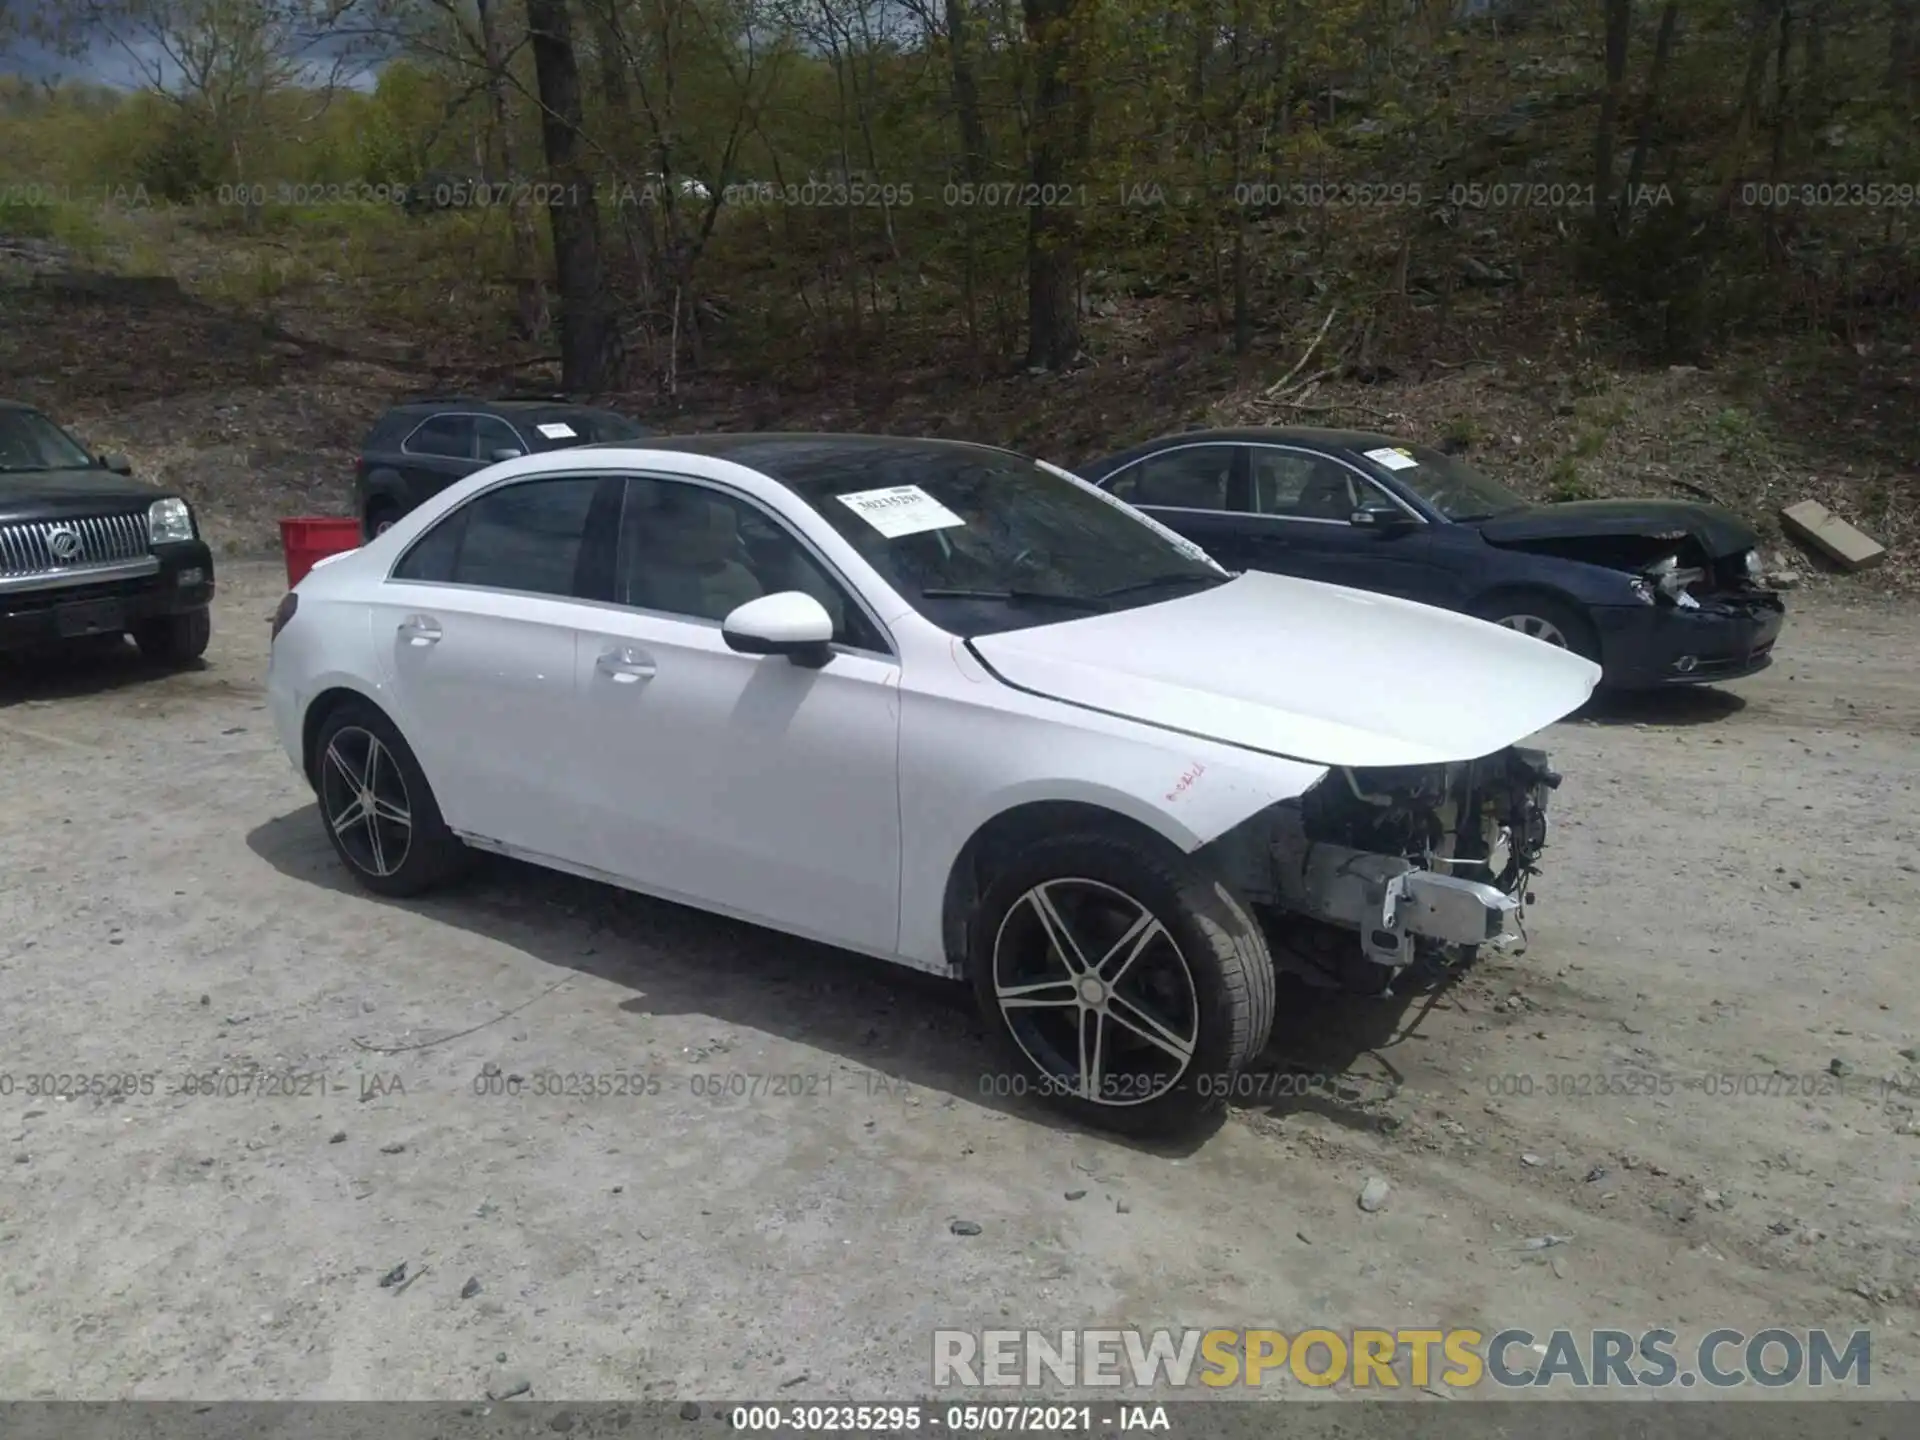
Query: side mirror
column 507, row 452
column 790, row 623
column 1378, row 517
column 118, row 464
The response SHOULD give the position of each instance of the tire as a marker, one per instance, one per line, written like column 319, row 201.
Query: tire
column 1543, row 617
column 175, row 639
column 353, row 739
column 380, row 515
column 1096, row 885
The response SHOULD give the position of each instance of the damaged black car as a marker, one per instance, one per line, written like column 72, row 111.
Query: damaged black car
column 1656, row 592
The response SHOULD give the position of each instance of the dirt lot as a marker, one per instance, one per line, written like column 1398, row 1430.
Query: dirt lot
column 1730, row 905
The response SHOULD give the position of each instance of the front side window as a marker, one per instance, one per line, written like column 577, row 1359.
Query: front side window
column 448, row 436
column 1296, row 485
column 691, row 551
column 1194, row 477
column 494, row 436
column 979, row 541
column 535, row 536
column 30, row 441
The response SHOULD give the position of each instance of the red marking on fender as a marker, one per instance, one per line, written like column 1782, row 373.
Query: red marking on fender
column 1186, row 782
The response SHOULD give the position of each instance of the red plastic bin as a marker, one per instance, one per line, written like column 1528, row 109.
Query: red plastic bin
column 309, row 538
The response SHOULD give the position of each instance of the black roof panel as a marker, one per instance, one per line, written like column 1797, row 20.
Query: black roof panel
column 796, row 457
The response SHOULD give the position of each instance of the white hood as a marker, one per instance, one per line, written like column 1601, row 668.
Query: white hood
column 1309, row 671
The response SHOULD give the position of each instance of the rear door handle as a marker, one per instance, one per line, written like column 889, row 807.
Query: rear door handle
column 625, row 665
column 420, row 630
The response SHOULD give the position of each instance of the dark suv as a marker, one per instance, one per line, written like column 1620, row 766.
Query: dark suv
column 419, row 448
column 87, row 550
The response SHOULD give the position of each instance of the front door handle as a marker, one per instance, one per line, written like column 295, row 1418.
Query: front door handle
column 626, row 665
column 420, row 630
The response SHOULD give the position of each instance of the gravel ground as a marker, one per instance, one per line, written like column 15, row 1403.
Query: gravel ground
column 1695, row 1074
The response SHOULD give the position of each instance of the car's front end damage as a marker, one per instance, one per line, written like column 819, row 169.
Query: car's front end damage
column 1373, row 871
column 1692, row 601
column 1699, row 618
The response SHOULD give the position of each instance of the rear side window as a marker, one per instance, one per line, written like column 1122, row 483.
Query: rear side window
column 433, row 555
column 450, row 436
column 540, row 537
column 1196, row 477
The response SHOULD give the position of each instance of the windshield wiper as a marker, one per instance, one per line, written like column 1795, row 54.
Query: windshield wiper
column 1161, row 582
column 1035, row 597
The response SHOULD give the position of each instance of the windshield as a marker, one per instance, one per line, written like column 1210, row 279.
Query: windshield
column 30, row 441
column 1450, row 486
column 979, row 541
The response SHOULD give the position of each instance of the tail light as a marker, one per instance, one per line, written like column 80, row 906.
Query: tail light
column 288, row 604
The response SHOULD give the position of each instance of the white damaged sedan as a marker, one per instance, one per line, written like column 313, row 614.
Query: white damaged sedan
column 939, row 703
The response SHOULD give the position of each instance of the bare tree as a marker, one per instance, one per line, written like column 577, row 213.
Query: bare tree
column 590, row 350
column 1058, row 146
column 529, row 285
column 1619, row 27
column 687, row 171
column 1650, row 102
column 974, row 154
column 1903, row 50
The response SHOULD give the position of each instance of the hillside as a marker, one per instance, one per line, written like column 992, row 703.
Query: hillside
column 1607, row 248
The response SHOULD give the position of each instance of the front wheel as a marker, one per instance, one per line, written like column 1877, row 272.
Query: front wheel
column 175, row 639
column 1543, row 618
column 1123, row 983
column 380, row 518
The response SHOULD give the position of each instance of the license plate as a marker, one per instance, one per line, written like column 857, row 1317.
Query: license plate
column 90, row 617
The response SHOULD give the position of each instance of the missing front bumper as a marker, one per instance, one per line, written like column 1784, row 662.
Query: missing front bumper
column 1393, row 903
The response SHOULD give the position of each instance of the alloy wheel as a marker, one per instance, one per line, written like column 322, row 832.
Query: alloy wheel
column 1095, row 992
column 1537, row 626
column 364, row 797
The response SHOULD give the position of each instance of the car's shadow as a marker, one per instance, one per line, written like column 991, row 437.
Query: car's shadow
column 80, row 668
column 1679, row 705
column 904, row 1025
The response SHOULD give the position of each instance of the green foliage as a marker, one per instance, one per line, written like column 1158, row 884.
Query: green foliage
column 1217, row 130
column 1565, row 482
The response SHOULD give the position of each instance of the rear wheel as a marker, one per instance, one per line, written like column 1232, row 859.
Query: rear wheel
column 1123, row 983
column 174, row 639
column 1543, row 618
column 379, row 811
column 380, row 517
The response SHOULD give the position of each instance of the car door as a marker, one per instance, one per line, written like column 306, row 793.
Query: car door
column 1300, row 522
column 479, row 626
column 439, row 451
column 1190, row 489
column 746, row 784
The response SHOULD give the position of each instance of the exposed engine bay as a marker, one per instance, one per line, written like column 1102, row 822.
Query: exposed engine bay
column 1408, row 863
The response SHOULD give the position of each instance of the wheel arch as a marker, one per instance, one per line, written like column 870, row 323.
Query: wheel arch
column 1520, row 590
column 384, row 487
column 1006, row 832
column 318, row 709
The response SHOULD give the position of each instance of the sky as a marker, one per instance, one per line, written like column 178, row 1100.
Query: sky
column 102, row 59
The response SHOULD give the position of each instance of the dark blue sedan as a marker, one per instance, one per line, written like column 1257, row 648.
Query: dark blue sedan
column 1658, row 592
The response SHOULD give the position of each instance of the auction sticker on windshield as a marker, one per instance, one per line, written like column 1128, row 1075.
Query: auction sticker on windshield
column 900, row 510
column 557, row 431
column 1393, row 459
